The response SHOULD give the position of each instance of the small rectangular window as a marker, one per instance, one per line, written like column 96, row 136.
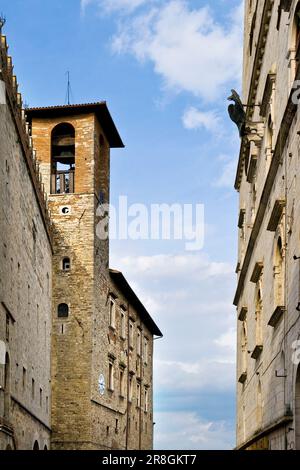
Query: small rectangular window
column 130, row 389
column 32, row 389
column 66, row 264
column 111, row 376
column 146, row 400
column 123, row 324
column 41, row 397
column 138, row 395
column 7, row 327
column 146, row 350
column 131, row 334
column 47, row 405
column 17, row 377
column 138, row 343
column 24, row 379
column 112, row 313
column 122, row 375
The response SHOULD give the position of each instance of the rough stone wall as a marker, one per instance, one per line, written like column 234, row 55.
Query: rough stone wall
column 83, row 344
column 73, row 238
column 277, row 402
column 120, row 422
column 25, row 298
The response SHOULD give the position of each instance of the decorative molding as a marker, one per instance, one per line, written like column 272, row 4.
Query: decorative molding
column 252, row 168
column 243, row 314
column 241, row 218
column 276, row 316
column 276, row 214
column 258, row 61
column 257, row 351
column 255, row 132
column 285, row 5
column 271, row 78
column 284, row 129
column 243, row 378
column 257, row 272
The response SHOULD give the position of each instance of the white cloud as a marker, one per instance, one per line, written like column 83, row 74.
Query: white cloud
column 205, row 374
column 84, row 4
column 189, row 432
column 195, row 119
column 228, row 171
column 109, row 6
column 190, row 297
column 189, row 49
column 228, row 340
column 199, row 266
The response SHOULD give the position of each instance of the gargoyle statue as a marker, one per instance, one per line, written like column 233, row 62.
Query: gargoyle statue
column 237, row 113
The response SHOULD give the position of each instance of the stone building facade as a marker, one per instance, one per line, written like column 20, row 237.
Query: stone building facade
column 76, row 342
column 268, row 291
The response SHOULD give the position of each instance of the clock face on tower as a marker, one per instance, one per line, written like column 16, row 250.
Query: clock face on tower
column 101, row 384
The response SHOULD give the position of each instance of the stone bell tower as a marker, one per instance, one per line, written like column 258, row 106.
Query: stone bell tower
column 73, row 151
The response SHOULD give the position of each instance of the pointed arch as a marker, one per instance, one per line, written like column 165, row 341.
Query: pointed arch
column 279, row 272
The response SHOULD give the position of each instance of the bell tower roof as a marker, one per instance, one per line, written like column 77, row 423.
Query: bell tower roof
column 100, row 109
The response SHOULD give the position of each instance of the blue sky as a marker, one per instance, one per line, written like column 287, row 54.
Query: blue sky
column 165, row 67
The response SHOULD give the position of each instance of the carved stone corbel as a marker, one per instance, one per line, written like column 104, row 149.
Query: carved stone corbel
column 255, row 132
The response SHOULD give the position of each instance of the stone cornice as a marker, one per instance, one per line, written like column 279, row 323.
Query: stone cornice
column 260, row 50
column 283, row 133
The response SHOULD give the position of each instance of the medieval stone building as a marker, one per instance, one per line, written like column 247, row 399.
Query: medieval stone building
column 76, row 343
column 268, row 182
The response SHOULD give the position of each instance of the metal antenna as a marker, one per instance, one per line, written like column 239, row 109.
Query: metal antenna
column 69, row 91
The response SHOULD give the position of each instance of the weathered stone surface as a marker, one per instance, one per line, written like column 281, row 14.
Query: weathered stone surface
column 267, row 415
column 25, row 299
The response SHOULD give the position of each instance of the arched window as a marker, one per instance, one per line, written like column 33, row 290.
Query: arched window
column 8, row 447
column 63, row 311
column 63, row 159
column 66, row 264
column 244, row 345
column 259, row 317
column 45, row 447
column 36, row 445
column 279, row 273
column 297, row 409
column 269, row 143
